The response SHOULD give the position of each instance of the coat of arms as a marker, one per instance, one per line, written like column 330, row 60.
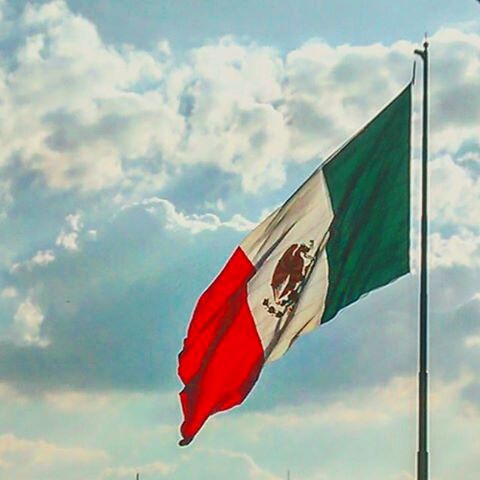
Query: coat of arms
column 289, row 277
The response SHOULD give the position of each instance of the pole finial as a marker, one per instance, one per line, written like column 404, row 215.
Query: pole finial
column 425, row 41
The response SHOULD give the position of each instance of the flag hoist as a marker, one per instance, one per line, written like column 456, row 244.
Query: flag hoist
column 342, row 234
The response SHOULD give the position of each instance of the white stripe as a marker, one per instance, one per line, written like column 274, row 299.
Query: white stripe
column 305, row 217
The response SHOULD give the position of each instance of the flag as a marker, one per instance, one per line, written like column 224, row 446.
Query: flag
column 343, row 233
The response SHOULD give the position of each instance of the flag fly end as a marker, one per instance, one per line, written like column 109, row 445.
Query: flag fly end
column 185, row 442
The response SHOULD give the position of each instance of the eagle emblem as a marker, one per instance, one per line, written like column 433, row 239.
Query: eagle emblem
column 289, row 277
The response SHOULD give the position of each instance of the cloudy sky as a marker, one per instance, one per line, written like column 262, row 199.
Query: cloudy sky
column 140, row 142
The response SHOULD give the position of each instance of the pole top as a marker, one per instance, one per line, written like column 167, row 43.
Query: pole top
column 423, row 53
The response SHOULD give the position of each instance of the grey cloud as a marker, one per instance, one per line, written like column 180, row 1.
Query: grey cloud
column 69, row 132
column 116, row 312
column 458, row 105
column 469, row 158
column 186, row 104
column 302, row 111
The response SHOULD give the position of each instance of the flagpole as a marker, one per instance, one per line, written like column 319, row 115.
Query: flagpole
column 422, row 454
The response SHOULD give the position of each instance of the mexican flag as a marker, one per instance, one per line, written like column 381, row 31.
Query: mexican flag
column 342, row 234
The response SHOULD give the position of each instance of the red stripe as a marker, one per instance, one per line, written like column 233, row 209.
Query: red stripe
column 222, row 355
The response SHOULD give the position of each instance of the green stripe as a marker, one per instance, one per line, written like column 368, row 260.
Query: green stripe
column 369, row 186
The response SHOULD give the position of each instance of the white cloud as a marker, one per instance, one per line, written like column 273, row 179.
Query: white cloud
column 27, row 323
column 71, row 92
column 9, row 292
column 239, row 223
column 6, row 198
column 455, row 102
column 77, row 401
column 67, row 240
column 47, row 14
column 18, row 454
column 454, row 206
column 41, row 258
column 74, row 222
column 101, row 116
column 228, row 100
column 455, row 193
column 473, row 341
column 2, row 6
column 164, row 47
column 195, row 223
column 459, row 249
column 331, row 91
column 68, row 236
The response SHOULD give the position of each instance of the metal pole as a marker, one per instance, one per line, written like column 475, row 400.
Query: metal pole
column 422, row 454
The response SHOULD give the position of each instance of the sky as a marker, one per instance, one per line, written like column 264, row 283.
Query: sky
column 141, row 141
